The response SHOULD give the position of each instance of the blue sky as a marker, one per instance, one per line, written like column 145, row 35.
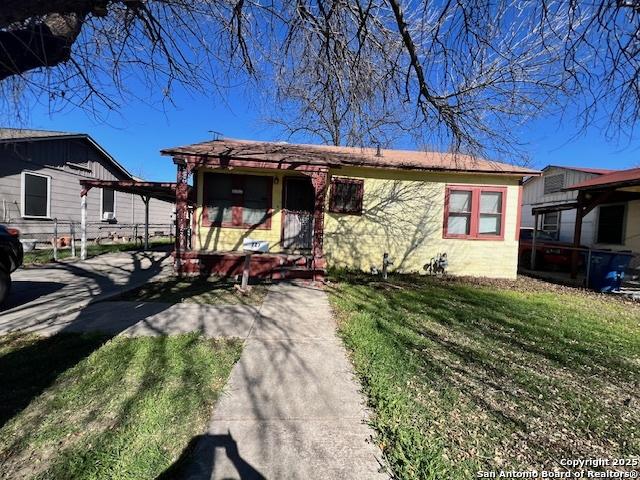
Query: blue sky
column 138, row 131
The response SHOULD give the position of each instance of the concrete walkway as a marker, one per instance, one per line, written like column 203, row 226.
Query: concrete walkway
column 292, row 408
column 42, row 293
column 145, row 319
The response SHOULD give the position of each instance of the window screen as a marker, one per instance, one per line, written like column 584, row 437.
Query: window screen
column 611, row 224
column 553, row 183
column 346, row 195
column 256, row 205
column 459, row 222
column 108, row 201
column 218, row 199
column 237, row 200
column 490, row 222
column 36, row 191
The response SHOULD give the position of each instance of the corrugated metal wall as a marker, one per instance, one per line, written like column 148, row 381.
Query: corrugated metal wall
column 533, row 196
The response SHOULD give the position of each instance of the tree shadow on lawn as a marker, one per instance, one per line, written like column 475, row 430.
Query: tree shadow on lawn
column 28, row 370
column 124, row 415
column 534, row 363
column 529, row 324
column 31, row 366
column 200, row 290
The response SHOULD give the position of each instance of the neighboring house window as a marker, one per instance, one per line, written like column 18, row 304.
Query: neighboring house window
column 474, row 212
column 346, row 196
column 611, row 224
column 108, row 204
column 237, row 200
column 551, row 224
column 553, row 183
column 36, row 195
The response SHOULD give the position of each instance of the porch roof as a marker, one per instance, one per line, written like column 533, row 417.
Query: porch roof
column 160, row 190
column 615, row 180
column 289, row 155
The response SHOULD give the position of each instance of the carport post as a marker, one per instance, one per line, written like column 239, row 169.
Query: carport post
column 83, row 225
column 146, row 199
column 533, row 242
column 577, row 233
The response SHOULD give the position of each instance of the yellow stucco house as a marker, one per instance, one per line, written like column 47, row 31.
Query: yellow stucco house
column 315, row 206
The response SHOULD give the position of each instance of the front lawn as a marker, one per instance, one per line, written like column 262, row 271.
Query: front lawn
column 41, row 256
column 208, row 291
column 464, row 376
column 89, row 407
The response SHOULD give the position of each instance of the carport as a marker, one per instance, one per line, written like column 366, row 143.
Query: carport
column 147, row 190
column 618, row 186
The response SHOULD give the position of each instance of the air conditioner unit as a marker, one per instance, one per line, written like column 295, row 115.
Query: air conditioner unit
column 108, row 216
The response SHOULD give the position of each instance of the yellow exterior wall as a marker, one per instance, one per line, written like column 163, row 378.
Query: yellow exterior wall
column 403, row 215
column 632, row 231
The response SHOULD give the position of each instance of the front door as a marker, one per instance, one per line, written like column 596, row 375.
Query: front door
column 297, row 212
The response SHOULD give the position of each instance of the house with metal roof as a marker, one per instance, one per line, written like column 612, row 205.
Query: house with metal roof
column 548, row 195
column 40, row 176
column 309, row 207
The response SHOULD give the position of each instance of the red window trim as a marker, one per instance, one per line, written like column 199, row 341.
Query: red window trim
column 236, row 210
column 475, row 212
column 333, row 208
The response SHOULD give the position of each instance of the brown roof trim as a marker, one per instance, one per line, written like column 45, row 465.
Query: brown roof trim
column 293, row 155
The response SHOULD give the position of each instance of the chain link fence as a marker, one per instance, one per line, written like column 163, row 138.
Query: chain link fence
column 596, row 268
column 58, row 239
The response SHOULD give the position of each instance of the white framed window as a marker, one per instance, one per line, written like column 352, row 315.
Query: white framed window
column 551, row 224
column 108, row 204
column 35, row 198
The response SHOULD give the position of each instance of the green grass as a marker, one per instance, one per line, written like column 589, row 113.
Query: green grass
column 464, row 376
column 45, row 256
column 125, row 410
column 199, row 290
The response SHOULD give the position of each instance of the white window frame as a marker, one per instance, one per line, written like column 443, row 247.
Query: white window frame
column 23, row 194
column 102, row 204
column 556, row 231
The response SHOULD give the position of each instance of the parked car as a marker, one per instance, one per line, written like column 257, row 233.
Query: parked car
column 550, row 253
column 11, row 256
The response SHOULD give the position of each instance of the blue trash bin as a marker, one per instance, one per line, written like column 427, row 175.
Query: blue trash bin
column 606, row 270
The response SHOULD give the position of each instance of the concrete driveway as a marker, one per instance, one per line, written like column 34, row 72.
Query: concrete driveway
column 45, row 292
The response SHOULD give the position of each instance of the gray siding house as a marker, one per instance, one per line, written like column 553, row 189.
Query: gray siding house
column 39, row 182
column 547, row 191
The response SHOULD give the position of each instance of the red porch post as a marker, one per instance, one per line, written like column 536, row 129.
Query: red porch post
column 182, row 193
column 319, row 181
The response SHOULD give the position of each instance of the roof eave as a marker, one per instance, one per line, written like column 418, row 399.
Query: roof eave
column 176, row 152
column 84, row 136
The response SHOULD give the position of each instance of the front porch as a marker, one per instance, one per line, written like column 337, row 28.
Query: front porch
column 266, row 266
column 237, row 199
